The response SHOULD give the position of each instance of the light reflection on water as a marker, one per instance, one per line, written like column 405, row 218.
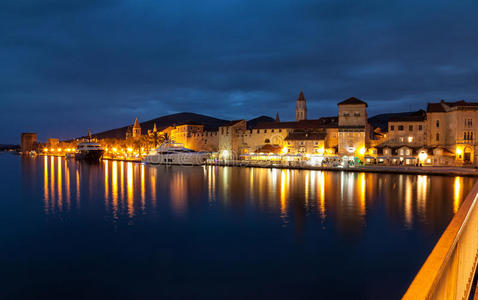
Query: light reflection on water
column 280, row 192
column 274, row 233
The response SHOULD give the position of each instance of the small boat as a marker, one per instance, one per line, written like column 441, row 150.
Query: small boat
column 89, row 150
column 175, row 154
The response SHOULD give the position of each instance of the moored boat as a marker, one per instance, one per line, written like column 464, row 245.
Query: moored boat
column 175, row 154
column 89, row 150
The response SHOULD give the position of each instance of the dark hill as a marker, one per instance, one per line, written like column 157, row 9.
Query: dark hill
column 209, row 123
column 382, row 119
column 262, row 119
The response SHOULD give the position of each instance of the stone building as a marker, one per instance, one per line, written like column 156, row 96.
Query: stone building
column 204, row 141
column 230, row 139
column 353, row 127
column 408, row 130
column 281, row 134
column 452, row 126
column 444, row 134
column 53, row 142
column 28, row 142
column 306, row 142
column 193, row 136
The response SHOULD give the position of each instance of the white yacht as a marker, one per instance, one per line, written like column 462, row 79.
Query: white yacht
column 175, row 154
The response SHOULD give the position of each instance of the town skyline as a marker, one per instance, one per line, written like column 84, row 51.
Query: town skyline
column 312, row 115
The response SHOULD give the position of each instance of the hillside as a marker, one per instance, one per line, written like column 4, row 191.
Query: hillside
column 382, row 119
column 210, row 123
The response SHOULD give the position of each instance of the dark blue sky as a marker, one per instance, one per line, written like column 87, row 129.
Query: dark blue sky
column 66, row 66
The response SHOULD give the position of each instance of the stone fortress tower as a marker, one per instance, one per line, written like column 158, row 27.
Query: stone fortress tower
column 300, row 108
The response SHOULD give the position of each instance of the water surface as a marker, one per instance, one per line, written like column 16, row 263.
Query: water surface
column 124, row 230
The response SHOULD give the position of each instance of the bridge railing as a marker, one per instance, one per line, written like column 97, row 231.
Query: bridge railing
column 449, row 270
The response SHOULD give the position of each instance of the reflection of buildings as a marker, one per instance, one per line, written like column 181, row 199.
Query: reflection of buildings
column 293, row 198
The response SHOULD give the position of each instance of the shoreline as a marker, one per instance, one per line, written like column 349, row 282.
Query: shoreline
column 442, row 171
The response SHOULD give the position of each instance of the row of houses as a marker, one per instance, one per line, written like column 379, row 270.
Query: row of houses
column 443, row 134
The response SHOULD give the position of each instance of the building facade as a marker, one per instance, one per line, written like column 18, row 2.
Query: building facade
column 353, row 127
column 452, row 126
column 444, row 134
column 408, row 130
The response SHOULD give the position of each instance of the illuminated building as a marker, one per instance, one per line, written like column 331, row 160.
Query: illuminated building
column 353, row 126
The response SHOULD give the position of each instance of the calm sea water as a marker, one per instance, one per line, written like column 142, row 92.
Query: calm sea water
column 122, row 230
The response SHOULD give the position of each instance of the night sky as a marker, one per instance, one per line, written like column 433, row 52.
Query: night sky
column 66, row 66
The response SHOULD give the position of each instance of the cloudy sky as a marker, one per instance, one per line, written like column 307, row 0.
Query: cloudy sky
column 66, row 66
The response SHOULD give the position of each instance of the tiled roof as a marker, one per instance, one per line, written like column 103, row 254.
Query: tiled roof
column 442, row 105
column 460, row 103
column 327, row 122
column 305, row 136
column 435, row 107
column 352, row 101
column 136, row 124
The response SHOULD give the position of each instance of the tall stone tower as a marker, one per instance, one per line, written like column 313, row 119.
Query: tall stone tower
column 300, row 108
column 353, row 127
column 136, row 129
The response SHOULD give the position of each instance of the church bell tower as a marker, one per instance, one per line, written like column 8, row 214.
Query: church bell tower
column 300, row 108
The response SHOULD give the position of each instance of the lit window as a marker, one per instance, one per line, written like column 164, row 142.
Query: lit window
column 410, row 139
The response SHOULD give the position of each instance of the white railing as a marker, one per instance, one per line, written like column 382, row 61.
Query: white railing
column 449, row 270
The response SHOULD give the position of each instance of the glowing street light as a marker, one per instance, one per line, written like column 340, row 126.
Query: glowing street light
column 459, row 151
column 422, row 156
column 362, row 151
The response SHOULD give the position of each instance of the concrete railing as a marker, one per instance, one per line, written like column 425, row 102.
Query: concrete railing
column 449, row 270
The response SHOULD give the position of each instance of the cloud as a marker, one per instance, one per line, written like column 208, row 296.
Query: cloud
column 72, row 65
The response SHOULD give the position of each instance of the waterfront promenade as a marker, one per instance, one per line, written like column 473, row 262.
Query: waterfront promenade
column 450, row 171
